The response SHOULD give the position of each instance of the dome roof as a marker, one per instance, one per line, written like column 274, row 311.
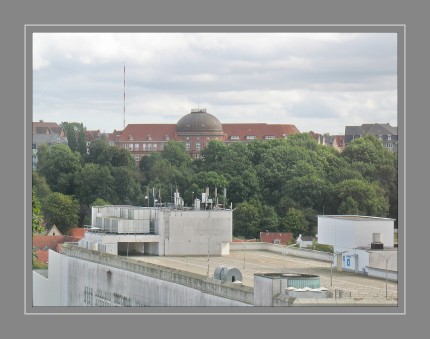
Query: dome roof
column 199, row 121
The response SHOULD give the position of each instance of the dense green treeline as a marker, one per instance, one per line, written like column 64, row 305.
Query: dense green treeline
column 277, row 185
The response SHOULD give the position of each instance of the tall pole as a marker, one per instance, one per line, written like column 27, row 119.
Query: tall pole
column 208, row 255
column 124, row 95
column 386, row 270
column 244, row 252
column 209, row 237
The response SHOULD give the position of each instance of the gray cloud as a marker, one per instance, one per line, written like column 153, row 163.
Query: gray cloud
column 319, row 82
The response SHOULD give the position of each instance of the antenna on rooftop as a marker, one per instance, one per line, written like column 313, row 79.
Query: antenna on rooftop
column 124, row 95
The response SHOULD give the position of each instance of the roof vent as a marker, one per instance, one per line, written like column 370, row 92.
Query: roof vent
column 376, row 242
column 228, row 274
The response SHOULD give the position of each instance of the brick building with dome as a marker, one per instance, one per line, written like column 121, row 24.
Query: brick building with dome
column 196, row 129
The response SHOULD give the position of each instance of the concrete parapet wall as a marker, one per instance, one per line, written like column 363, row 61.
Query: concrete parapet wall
column 172, row 287
column 295, row 251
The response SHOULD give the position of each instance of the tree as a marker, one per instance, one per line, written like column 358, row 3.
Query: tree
column 175, row 154
column 100, row 202
column 93, row 181
column 37, row 218
column 40, row 186
column 75, row 133
column 295, row 222
column 126, row 186
column 210, row 179
column 61, row 210
column 59, row 167
column 268, row 219
column 214, row 154
column 120, row 157
column 100, row 153
column 369, row 199
column 246, row 219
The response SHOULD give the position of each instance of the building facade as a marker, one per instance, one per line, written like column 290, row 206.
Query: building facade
column 195, row 130
column 49, row 133
column 385, row 132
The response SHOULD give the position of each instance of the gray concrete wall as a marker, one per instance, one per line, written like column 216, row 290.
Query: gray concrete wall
column 135, row 283
column 294, row 251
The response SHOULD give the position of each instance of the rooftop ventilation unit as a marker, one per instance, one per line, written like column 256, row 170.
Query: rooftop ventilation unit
column 229, row 274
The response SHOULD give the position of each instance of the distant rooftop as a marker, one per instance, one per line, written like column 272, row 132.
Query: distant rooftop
column 353, row 217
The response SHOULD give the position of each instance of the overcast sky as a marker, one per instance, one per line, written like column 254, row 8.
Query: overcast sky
column 317, row 81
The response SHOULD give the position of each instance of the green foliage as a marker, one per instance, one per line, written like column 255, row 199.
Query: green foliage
column 61, row 210
column 320, row 247
column 175, row 154
column 59, row 166
column 75, row 133
column 93, row 181
column 209, row 179
column 246, row 219
column 100, row 153
column 280, row 184
column 37, row 219
column 40, row 186
column 294, row 222
column 100, row 202
column 366, row 197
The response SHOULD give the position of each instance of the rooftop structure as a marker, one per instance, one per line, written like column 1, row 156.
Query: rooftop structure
column 160, row 231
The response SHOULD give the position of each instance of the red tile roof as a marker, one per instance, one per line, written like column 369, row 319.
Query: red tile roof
column 42, row 256
column 92, row 135
column 158, row 132
column 42, row 127
column 114, row 136
column 141, row 132
column 78, row 232
column 259, row 130
column 51, row 241
column 270, row 237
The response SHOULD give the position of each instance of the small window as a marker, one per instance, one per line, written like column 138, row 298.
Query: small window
column 196, row 156
column 130, row 147
column 143, row 147
column 154, row 147
column 197, row 146
column 136, row 158
column 187, row 146
column 136, row 147
column 234, row 137
column 269, row 137
column 149, row 147
column 250, row 137
column 389, row 137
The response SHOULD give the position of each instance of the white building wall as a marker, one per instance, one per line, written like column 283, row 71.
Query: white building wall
column 365, row 230
column 47, row 291
column 354, row 232
column 336, row 232
column 185, row 229
column 76, row 282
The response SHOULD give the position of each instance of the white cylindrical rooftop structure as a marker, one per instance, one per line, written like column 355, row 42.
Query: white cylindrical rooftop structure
column 229, row 274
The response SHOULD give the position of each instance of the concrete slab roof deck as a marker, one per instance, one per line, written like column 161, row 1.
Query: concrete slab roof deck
column 267, row 263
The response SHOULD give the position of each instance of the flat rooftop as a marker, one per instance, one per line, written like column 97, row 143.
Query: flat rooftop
column 353, row 217
column 250, row 262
